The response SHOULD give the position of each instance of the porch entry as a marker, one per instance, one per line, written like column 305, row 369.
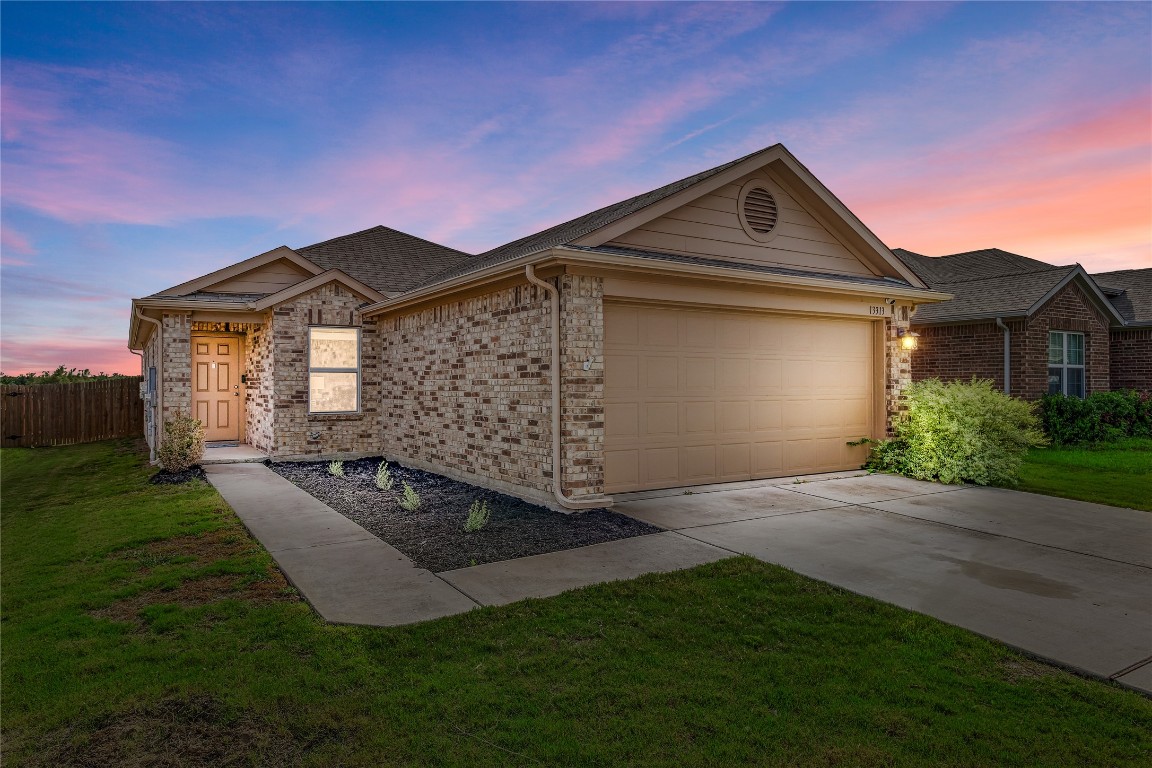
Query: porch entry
column 216, row 393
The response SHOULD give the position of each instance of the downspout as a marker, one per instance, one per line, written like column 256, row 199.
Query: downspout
column 1007, row 356
column 158, row 407
column 557, row 485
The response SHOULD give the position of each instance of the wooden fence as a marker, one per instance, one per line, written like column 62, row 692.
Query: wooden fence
column 64, row 414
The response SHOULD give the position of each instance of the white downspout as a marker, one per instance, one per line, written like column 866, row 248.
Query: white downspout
column 557, row 485
column 158, row 408
column 1007, row 356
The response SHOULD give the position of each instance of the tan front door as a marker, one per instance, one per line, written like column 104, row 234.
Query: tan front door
column 709, row 396
column 216, row 393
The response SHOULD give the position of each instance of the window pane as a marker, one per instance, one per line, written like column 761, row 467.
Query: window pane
column 331, row 392
column 1076, row 382
column 333, row 348
column 1055, row 381
column 1075, row 349
column 1055, row 348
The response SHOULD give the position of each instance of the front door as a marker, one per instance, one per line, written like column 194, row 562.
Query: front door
column 216, row 386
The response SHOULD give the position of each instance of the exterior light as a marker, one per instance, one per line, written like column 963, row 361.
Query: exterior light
column 908, row 338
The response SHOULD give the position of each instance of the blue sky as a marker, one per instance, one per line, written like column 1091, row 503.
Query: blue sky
column 145, row 144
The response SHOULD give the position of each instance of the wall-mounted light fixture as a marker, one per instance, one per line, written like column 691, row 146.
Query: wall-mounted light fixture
column 908, row 338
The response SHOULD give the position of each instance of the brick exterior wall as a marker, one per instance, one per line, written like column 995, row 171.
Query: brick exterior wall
column 176, row 367
column 898, row 372
column 259, row 391
column 295, row 433
column 467, row 388
column 1131, row 359
column 959, row 352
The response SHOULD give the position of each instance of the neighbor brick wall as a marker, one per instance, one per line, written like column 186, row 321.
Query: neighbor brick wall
column 295, row 432
column 467, row 387
column 959, row 352
column 1131, row 359
column 260, row 390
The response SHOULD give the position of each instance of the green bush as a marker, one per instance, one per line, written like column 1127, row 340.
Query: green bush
column 959, row 433
column 478, row 516
column 336, row 468
column 183, row 443
column 1102, row 417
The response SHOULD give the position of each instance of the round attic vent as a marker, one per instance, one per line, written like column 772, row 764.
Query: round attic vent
column 760, row 210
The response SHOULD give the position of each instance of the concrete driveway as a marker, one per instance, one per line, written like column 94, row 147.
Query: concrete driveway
column 1065, row 580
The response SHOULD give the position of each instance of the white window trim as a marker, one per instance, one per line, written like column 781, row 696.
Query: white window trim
column 356, row 370
column 1065, row 366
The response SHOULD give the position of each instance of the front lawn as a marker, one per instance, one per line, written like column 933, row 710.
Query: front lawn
column 1119, row 474
column 142, row 626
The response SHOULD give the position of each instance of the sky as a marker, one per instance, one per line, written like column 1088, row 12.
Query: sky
column 146, row 144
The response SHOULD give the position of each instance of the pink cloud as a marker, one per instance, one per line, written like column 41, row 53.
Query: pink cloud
column 14, row 244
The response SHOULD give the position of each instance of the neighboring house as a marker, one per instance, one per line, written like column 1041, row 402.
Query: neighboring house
column 1032, row 327
column 740, row 323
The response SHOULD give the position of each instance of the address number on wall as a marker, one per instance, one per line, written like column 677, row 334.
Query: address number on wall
column 874, row 310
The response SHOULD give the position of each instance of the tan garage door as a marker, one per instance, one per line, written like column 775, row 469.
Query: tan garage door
column 695, row 396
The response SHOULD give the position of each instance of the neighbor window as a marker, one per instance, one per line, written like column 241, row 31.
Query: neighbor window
column 333, row 370
column 1066, row 363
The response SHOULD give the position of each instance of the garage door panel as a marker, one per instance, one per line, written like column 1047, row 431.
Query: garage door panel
column 700, row 396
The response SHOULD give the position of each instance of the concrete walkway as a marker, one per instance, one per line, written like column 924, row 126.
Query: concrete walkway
column 350, row 576
column 1065, row 580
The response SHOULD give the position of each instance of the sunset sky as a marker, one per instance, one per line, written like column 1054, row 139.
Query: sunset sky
column 146, row 144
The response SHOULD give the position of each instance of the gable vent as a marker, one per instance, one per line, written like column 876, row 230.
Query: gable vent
column 760, row 210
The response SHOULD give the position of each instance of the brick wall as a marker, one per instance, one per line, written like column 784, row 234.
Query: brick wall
column 467, row 388
column 259, row 395
column 295, row 432
column 959, row 352
column 1131, row 359
column 176, row 367
column 898, row 371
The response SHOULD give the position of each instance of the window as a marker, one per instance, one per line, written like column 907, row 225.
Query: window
column 1066, row 363
column 333, row 370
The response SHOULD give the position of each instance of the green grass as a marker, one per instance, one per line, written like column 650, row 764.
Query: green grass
column 111, row 656
column 1119, row 473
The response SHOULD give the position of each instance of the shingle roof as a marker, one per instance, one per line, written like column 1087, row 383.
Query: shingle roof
column 985, row 283
column 224, row 298
column 1134, row 302
column 386, row 259
column 565, row 233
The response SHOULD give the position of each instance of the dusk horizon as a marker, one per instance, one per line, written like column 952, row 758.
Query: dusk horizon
column 145, row 145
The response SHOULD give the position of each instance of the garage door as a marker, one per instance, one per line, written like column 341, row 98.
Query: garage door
column 710, row 396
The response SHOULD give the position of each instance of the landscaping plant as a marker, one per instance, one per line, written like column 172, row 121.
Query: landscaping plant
column 384, row 479
column 183, row 443
column 960, row 432
column 478, row 515
column 336, row 468
column 1102, row 417
column 409, row 499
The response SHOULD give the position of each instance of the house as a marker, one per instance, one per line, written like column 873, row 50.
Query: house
column 1032, row 327
column 739, row 323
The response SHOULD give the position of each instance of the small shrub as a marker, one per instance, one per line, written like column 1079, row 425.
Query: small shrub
column 183, row 443
column 959, row 432
column 336, row 468
column 478, row 515
column 384, row 480
column 1102, row 417
column 409, row 499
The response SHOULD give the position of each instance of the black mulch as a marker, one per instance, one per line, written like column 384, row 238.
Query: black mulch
column 434, row 536
column 164, row 477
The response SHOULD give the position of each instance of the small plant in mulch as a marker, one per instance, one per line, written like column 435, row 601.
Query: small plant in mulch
column 384, row 479
column 336, row 468
column 409, row 499
column 478, row 516
column 183, row 443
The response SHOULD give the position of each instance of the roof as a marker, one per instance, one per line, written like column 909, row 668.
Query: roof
column 385, row 259
column 1133, row 293
column 567, row 232
column 991, row 283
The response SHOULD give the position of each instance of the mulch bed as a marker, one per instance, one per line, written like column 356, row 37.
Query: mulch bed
column 164, row 477
column 433, row 536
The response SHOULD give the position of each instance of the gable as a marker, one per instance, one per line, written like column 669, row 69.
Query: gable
column 268, row 278
column 710, row 226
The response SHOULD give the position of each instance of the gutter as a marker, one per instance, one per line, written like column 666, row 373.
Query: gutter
column 1007, row 356
column 557, row 483
column 158, row 407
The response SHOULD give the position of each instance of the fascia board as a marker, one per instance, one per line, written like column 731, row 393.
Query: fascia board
column 240, row 267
